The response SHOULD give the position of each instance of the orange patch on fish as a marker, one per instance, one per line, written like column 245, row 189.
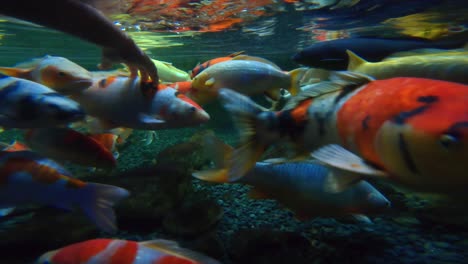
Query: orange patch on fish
column 40, row 173
column 299, row 113
column 188, row 100
column 106, row 82
column 415, row 106
column 125, row 254
column 108, row 140
column 87, row 249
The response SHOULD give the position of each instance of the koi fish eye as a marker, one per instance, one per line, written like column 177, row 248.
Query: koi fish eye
column 448, row 141
column 62, row 74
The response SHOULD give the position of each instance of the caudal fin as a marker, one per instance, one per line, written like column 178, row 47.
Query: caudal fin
column 220, row 153
column 246, row 116
column 97, row 201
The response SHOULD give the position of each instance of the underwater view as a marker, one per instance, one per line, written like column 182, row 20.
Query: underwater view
column 221, row 131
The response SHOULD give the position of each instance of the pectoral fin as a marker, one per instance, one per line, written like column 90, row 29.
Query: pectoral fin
column 6, row 211
column 346, row 168
column 147, row 119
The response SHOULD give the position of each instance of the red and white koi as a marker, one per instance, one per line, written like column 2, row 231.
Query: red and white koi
column 124, row 102
column 116, row 251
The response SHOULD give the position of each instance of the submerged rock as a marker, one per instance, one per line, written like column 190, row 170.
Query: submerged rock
column 154, row 192
column 189, row 154
column 193, row 217
column 45, row 230
column 268, row 246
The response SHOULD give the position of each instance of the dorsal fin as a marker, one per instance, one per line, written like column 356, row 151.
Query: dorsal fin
column 311, row 91
column 255, row 58
column 354, row 61
column 338, row 80
column 347, row 78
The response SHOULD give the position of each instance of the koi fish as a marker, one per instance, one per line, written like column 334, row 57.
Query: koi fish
column 245, row 76
column 447, row 66
column 109, row 141
column 64, row 144
column 201, row 67
column 296, row 185
column 412, row 130
column 169, row 73
column 136, row 109
column 13, row 146
column 28, row 178
column 182, row 87
column 57, row 73
column 117, row 251
column 332, row 55
column 26, row 104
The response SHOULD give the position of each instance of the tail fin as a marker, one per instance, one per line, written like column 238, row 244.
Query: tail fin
column 354, row 61
column 245, row 114
column 16, row 72
column 220, row 153
column 97, row 202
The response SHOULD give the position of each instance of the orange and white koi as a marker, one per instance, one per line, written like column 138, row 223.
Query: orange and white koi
column 123, row 102
column 26, row 104
column 412, row 130
column 202, row 66
column 117, row 251
column 13, row 146
column 109, row 141
column 64, row 144
column 28, row 178
column 57, row 73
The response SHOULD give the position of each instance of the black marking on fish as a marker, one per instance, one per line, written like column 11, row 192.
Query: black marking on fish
column 365, row 122
column 102, row 83
column 406, row 154
column 429, row 99
column 403, row 116
column 345, row 91
column 286, row 124
column 320, row 123
column 453, row 130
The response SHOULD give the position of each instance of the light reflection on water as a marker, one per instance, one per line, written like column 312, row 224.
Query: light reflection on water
column 275, row 37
